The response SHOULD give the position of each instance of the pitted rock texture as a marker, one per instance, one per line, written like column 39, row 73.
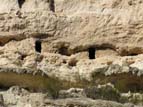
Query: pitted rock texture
column 73, row 39
column 18, row 97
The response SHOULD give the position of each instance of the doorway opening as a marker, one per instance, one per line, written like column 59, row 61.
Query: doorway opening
column 38, row 47
column 91, row 52
column 52, row 5
column 20, row 3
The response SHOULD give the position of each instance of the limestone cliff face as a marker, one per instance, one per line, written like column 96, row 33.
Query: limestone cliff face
column 113, row 24
column 72, row 38
column 97, row 41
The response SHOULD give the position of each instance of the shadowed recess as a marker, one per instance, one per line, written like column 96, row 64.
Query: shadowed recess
column 34, row 83
column 20, row 3
column 91, row 52
column 52, row 5
column 38, row 47
column 124, row 82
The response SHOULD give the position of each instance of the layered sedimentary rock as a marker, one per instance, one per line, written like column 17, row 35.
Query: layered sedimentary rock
column 95, row 41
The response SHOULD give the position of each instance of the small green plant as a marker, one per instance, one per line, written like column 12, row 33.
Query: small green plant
column 105, row 93
column 53, row 86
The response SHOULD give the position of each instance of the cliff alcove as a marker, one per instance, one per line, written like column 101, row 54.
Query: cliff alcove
column 20, row 3
column 38, row 46
column 52, row 5
column 91, row 52
column 70, row 40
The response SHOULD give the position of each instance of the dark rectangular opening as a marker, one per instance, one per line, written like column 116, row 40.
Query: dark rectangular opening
column 20, row 3
column 38, row 47
column 52, row 5
column 91, row 52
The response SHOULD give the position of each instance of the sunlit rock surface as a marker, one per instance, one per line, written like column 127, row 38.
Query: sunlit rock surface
column 79, row 43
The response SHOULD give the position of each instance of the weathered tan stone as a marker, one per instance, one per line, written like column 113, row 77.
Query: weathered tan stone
column 67, row 29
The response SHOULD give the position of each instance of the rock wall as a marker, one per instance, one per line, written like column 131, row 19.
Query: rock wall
column 25, row 5
column 72, row 40
column 69, row 29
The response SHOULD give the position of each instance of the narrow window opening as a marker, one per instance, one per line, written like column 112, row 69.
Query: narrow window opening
column 20, row 3
column 52, row 5
column 38, row 46
column 91, row 52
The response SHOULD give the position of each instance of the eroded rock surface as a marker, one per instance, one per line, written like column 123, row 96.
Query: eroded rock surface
column 78, row 43
column 19, row 97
